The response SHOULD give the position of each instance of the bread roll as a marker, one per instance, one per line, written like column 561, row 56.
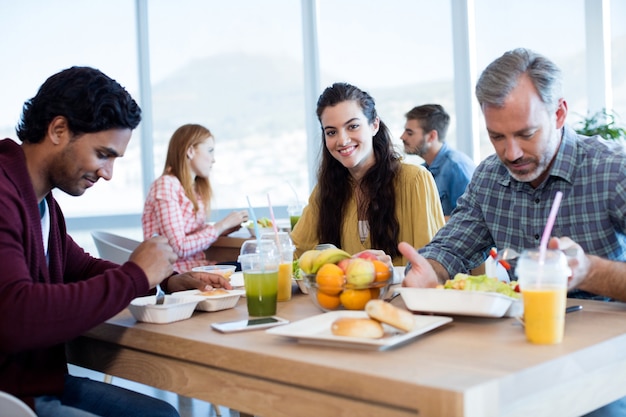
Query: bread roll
column 357, row 327
column 390, row 314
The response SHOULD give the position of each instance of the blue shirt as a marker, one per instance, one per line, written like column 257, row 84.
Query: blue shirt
column 452, row 171
column 498, row 211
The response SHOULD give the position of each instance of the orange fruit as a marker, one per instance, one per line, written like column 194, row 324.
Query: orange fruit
column 375, row 292
column 355, row 299
column 330, row 302
column 383, row 273
column 330, row 279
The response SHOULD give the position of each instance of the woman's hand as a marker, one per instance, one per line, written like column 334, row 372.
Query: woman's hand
column 203, row 281
column 232, row 222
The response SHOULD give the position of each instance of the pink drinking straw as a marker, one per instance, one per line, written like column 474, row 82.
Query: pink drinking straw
column 269, row 204
column 543, row 246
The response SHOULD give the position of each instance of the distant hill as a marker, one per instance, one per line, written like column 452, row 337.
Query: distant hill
column 237, row 92
column 247, row 94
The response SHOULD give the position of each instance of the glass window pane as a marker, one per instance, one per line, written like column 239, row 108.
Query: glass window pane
column 400, row 52
column 535, row 27
column 46, row 37
column 234, row 67
column 618, row 31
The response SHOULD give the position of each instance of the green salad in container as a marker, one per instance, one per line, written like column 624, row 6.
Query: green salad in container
column 467, row 282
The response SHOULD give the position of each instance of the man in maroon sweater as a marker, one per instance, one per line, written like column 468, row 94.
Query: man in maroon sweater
column 51, row 291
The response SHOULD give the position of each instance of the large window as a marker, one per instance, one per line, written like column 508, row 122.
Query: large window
column 554, row 29
column 618, row 58
column 42, row 38
column 400, row 52
column 236, row 68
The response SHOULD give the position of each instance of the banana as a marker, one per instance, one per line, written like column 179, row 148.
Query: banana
column 329, row 256
column 306, row 260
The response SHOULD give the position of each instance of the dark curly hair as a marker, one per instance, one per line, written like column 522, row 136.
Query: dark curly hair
column 336, row 186
column 87, row 98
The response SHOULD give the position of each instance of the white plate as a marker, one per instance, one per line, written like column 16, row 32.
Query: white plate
column 316, row 330
column 215, row 302
column 236, row 279
column 457, row 302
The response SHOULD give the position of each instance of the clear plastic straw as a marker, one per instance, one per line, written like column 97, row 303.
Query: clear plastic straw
column 294, row 192
column 543, row 246
column 257, row 232
column 269, row 204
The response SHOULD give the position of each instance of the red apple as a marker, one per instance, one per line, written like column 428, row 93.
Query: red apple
column 343, row 264
column 367, row 255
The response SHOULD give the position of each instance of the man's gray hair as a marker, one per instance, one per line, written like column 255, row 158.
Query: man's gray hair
column 502, row 75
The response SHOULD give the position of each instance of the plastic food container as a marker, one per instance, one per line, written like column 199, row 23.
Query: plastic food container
column 459, row 302
column 224, row 270
column 215, row 302
column 175, row 308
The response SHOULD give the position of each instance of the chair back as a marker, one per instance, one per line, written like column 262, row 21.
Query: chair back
column 11, row 406
column 113, row 247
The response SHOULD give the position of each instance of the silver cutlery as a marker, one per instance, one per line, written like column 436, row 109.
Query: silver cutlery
column 160, row 295
column 502, row 257
column 570, row 309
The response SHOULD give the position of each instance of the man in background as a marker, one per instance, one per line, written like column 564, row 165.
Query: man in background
column 424, row 135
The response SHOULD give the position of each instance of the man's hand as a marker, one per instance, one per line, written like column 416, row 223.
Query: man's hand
column 422, row 274
column 203, row 281
column 577, row 259
column 155, row 257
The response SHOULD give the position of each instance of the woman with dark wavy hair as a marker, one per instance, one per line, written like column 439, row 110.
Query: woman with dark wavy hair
column 365, row 198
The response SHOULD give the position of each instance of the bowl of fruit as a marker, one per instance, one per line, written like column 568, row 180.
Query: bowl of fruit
column 336, row 280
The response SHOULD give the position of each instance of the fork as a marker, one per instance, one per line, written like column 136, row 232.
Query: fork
column 507, row 254
column 504, row 256
column 160, row 295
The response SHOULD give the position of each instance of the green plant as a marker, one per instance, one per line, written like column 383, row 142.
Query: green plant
column 603, row 123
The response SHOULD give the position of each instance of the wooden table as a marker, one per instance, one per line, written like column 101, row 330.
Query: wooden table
column 471, row 367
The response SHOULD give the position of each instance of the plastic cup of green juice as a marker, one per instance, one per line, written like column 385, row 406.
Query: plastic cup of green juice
column 295, row 211
column 260, row 277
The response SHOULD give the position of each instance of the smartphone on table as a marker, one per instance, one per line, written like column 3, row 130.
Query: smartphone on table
column 248, row 324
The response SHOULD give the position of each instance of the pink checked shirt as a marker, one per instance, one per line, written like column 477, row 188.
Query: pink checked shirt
column 168, row 212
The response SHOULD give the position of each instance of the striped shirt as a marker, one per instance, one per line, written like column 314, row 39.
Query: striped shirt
column 169, row 212
column 499, row 211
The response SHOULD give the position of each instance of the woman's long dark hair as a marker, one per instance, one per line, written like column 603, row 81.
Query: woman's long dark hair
column 336, row 186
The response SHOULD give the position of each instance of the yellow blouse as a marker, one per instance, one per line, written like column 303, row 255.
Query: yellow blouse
column 418, row 210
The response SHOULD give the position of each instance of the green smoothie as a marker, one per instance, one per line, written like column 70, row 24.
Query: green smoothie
column 261, row 292
column 294, row 219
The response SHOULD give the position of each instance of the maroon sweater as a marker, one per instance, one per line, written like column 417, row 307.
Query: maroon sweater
column 42, row 307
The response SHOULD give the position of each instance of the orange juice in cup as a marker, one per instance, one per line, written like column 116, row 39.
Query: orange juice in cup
column 544, row 314
column 285, row 274
column 285, row 269
column 543, row 282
